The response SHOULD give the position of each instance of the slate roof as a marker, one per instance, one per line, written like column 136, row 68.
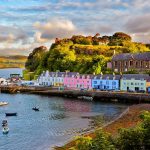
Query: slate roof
column 136, row 76
column 108, row 76
column 128, row 56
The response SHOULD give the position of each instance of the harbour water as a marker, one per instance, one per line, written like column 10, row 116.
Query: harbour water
column 58, row 120
column 5, row 73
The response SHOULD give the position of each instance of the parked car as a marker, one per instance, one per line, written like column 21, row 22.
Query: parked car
column 131, row 91
column 141, row 91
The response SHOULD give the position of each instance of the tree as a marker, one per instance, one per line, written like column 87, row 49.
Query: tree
column 102, row 141
column 35, row 58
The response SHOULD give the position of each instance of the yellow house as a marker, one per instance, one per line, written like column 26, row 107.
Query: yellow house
column 148, row 83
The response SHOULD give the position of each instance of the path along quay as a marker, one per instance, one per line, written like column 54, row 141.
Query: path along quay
column 105, row 96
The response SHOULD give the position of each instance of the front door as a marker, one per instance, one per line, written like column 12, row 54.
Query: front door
column 136, row 88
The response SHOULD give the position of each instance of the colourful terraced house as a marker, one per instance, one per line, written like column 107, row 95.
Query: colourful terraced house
column 51, row 78
column 106, row 82
column 134, row 82
column 75, row 80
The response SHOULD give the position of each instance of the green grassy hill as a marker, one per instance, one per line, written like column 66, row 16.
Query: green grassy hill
column 82, row 54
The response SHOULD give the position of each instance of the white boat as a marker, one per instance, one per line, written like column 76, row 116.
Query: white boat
column 5, row 130
column 3, row 103
column 85, row 98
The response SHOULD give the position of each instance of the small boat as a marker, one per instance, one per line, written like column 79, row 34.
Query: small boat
column 85, row 98
column 4, row 123
column 5, row 130
column 3, row 103
column 11, row 114
column 35, row 108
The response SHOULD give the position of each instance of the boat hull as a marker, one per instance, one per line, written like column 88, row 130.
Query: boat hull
column 11, row 114
column 5, row 130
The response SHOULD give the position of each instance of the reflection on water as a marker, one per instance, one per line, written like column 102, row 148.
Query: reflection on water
column 58, row 120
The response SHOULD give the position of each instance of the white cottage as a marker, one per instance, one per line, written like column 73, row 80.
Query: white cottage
column 51, row 78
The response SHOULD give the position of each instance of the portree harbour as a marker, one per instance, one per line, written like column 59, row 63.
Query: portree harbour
column 105, row 96
column 58, row 120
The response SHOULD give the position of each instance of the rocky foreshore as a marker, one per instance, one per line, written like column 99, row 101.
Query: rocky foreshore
column 128, row 119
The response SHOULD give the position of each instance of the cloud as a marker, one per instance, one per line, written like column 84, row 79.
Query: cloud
column 9, row 34
column 55, row 28
column 138, row 24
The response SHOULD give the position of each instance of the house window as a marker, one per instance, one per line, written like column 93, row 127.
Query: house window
column 131, row 63
column 137, row 64
column 126, row 63
column 132, row 83
column 113, row 87
column 115, row 63
column 107, row 82
column 95, row 82
column 101, row 82
column 113, row 83
column 141, row 63
column 142, row 83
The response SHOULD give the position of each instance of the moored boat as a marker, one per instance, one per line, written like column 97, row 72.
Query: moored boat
column 11, row 114
column 3, row 103
column 4, row 123
column 5, row 130
column 85, row 98
column 35, row 108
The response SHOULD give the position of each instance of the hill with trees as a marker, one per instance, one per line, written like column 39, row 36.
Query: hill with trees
column 84, row 54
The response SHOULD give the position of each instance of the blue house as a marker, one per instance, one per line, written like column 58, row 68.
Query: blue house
column 106, row 82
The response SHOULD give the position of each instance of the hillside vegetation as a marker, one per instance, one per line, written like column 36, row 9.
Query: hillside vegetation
column 17, row 61
column 82, row 54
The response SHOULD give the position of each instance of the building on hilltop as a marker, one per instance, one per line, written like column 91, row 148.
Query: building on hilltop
column 127, row 61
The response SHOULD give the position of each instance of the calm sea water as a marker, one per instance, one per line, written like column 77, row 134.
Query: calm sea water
column 58, row 120
column 5, row 73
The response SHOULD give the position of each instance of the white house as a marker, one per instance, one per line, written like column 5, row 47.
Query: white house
column 51, row 78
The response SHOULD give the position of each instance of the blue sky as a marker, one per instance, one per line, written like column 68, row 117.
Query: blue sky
column 26, row 24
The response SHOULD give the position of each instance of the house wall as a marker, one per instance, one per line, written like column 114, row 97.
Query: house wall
column 126, row 65
column 58, row 81
column 132, row 85
column 148, row 84
column 105, row 84
column 73, row 82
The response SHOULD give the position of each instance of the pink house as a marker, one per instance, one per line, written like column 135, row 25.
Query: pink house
column 75, row 80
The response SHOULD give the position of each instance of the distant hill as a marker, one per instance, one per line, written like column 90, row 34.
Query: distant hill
column 16, row 61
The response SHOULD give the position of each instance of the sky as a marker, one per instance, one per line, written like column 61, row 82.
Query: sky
column 27, row 24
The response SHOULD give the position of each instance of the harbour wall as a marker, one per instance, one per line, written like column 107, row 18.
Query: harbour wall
column 106, row 96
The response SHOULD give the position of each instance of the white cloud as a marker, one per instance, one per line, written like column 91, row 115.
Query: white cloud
column 9, row 34
column 55, row 28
